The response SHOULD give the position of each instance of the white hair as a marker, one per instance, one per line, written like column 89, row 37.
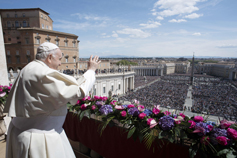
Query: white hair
column 42, row 55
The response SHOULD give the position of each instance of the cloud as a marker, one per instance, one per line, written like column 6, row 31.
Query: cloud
column 90, row 17
column 193, row 16
column 114, row 34
column 228, row 46
column 159, row 18
column 196, row 34
column 135, row 33
column 177, row 21
column 176, row 7
column 150, row 24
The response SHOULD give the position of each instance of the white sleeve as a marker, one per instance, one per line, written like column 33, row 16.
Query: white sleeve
column 90, row 80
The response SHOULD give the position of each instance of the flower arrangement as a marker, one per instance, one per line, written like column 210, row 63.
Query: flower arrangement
column 151, row 125
column 4, row 91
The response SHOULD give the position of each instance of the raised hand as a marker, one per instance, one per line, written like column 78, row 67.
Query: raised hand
column 93, row 63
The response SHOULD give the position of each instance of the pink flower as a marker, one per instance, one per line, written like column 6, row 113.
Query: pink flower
column 78, row 102
column 205, row 140
column 181, row 114
column 151, row 122
column 93, row 107
column 226, row 124
column 2, row 94
column 140, row 108
column 131, row 106
column 167, row 113
column 178, row 119
column 210, row 127
column 123, row 113
column 104, row 98
column 118, row 107
column 222, row 140
column 136, row 101
column 156, row 111
column 83, row 106
column 198, row 119
column 96, row 97
column 9, row 88
column 10, row 85
column 86, row 98
column 193, row 124
column 141, row 115
column 0, row 90
column 232, row 133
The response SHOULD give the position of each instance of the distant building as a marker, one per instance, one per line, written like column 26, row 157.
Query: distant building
column 25, row 29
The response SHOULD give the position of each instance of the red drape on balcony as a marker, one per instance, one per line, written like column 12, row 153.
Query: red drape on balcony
column 113, row 143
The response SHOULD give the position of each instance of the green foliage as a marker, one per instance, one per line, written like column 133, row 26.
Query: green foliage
column 126, row 62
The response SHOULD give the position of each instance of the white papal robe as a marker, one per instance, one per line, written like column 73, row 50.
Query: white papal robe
column 37, row 103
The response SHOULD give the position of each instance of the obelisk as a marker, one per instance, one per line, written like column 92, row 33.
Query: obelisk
column 3, row 65
column 192, row 72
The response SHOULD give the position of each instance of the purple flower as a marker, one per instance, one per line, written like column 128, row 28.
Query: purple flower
column 106, row 109
column 166, row 122
column 201, row 128
column 99, row 103
column 148, row 112
column 125, row 106
column 219, row 132
column 133, row 111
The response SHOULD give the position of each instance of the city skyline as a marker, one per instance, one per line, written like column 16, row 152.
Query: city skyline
column 144, row 28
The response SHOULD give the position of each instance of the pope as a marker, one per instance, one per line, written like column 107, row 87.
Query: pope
column 37, row 104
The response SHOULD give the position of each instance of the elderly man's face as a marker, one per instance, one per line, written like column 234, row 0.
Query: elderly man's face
column 54, row 61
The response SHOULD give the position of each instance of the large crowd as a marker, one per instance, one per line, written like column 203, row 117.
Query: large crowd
column 215, row 97
column 210, row 95
column 142, row 80
column 166, row 93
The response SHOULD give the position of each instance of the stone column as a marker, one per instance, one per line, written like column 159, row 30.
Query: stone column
column 3, row 64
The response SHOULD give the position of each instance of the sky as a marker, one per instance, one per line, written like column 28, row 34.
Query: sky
column 144, row 28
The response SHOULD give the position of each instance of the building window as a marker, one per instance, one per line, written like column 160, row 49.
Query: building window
column 37, row 41
column 104, row 90
column 86, row 65
column 73, row 44
column 119, row 86
column 23, row 15
column 57, row 43
column 66, row 44
column 12, row 25
column 15, row 15
column 9, row 59
column 16, row 24
column 47, row 27
column 28, row 59
column 8, row 24
column 45, row 17
column 42, row 26
column 24, row 23
column 8, row 52
column 28, row 52
column 66, row 60
column 41, row 16
column 17, row 37
column 8, row 15
column 80, row 66
column 17, row 52
column 18, row 60
column 27, row 40
column 9, row 39
column 112, row 88
column 74, row 60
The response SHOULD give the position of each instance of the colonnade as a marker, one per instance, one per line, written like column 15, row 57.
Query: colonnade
column 149, row 71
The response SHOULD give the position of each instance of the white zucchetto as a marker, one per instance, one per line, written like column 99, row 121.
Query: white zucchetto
column 46, row 46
